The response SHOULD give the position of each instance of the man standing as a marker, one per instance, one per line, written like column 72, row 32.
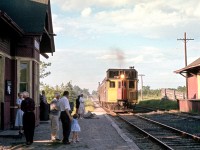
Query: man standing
column 28, row 107
column 65, row 117
column 54, row 117
column 44, row 99
column 44, row 107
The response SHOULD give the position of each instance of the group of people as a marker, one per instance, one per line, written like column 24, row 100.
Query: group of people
column 59, row 111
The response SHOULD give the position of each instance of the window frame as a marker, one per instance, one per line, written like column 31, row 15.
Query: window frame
column 112, row 84
column 27, row 83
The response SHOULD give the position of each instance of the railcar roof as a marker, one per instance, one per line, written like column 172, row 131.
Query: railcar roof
column 121, row 70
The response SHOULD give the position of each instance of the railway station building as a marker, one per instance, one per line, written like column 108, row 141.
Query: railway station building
column 26, row 33
column 192, row 74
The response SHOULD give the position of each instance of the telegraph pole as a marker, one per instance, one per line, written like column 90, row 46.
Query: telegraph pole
column 185, row 47
column 141, row 75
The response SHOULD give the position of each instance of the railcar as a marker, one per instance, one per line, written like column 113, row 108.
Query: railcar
column 119, row 89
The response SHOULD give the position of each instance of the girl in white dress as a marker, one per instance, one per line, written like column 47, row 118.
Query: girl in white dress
column 75, row 128
column 19, row 114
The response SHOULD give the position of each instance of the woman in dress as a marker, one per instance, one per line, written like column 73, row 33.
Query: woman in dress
column 19, row 114
column 75, row 128
column 81, row 109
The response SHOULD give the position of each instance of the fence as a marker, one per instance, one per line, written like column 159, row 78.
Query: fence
column 172, row 94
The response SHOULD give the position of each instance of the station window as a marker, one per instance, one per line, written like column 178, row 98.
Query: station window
column 23, row 77
column 131, row 84
column 112, row 84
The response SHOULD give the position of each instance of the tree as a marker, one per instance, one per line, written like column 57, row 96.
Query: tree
column 146, row 90
column 43, row 67
column 74, row 91
column 94, row 93
column 181, row 88
column 77, row 90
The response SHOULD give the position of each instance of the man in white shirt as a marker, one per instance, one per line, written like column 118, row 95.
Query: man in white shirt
column 65, row 117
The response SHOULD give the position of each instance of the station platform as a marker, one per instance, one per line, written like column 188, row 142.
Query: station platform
column 97, row 133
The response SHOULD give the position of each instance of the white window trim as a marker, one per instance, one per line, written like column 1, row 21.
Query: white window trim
column 29, row 77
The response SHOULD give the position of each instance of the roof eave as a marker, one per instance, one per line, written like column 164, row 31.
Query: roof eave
column 11, row 23
column 185, row 69
column 44, row 55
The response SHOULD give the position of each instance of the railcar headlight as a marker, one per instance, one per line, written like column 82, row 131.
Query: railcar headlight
column 122, row 76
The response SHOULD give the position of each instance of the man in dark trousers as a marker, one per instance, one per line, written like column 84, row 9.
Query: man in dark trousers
column 65, row 117
column 77, row 104
column 28, row 107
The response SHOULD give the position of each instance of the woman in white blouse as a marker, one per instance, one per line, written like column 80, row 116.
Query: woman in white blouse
column 81, row 109
column 19, row 114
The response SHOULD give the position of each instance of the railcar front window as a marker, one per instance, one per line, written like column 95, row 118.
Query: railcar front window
column 131, row 84
column 112, row 84
column 113, row 74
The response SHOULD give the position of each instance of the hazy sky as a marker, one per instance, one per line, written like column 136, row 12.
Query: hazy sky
column 95, row 35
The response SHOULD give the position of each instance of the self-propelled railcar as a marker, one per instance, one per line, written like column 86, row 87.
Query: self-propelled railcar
column 119, row 89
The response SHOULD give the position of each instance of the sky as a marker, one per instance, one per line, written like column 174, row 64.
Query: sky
column 95, row 35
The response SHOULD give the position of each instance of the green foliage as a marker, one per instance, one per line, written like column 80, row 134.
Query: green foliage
column 181, row 89
column 149, row 93
column 49, row 92
column 162, row 104
column 73, row 92
column 89, row 106
column 43, row 67
column 95, row 93
column 88, row 102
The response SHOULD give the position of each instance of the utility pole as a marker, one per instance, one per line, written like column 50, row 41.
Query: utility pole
column 185, row 47
column 141, row 75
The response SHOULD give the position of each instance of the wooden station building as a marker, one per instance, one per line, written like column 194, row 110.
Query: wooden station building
column 192, row 73
column 26, row 31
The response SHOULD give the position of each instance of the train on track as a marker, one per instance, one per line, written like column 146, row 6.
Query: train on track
column 119, row 89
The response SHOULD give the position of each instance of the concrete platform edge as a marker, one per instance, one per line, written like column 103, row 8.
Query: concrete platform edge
column 129, row 142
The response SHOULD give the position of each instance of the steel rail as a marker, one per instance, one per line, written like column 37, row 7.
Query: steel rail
column 149, row 135
column 183, row 133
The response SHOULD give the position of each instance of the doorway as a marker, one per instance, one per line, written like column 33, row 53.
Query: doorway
column 1, row 84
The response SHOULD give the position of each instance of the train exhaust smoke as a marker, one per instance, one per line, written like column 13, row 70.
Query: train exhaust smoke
column 119, row 55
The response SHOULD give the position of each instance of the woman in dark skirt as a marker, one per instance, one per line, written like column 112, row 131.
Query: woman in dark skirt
column 28, row 107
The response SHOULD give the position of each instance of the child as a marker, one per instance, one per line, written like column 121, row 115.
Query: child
column 75, row 128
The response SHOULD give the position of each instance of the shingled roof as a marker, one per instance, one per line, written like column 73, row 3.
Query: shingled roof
column 195, row 64
column 28, row 14
column 33, row 17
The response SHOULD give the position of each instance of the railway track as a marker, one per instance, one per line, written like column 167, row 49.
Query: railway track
column 141, row 140
column 187, row 123
column 167, row 137
column 141, row 109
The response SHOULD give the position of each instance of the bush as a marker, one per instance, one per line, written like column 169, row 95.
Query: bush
column 162, row 104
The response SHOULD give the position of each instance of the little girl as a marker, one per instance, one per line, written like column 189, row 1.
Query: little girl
column 75, row 128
